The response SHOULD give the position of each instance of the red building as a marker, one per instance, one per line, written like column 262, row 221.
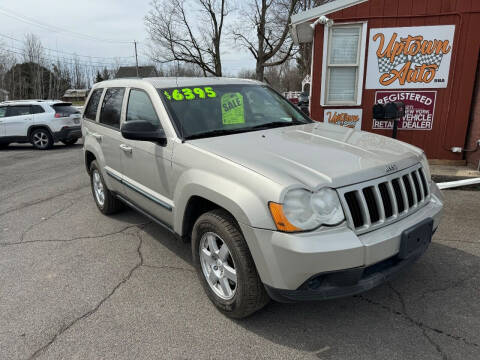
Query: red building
column 422, row 52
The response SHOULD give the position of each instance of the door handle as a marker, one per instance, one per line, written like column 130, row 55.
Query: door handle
column 126, row 148
column 96, row 136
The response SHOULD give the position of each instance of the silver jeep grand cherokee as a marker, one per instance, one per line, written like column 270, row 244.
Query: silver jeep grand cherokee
column 276, row 206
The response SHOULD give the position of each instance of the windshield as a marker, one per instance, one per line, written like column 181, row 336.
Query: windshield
column 205, row 111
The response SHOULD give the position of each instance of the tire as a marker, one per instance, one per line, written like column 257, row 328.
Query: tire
column 69, row 142
column 106, row 203
column 41, row 139
column 248, row 294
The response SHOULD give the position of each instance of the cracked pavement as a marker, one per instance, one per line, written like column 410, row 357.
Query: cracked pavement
column 77, row 284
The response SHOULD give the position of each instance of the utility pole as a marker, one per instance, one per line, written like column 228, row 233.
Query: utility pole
column 136, row 57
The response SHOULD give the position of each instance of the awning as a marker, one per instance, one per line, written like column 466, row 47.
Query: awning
column 300, row 28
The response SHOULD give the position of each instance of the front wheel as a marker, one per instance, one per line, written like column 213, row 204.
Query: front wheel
column 225, row 266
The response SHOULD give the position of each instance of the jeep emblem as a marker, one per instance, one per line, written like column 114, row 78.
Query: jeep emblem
column 390, row 168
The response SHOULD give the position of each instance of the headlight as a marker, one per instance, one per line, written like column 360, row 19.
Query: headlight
column 304, row 210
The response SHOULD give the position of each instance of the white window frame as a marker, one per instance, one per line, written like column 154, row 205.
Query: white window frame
column 360, row 64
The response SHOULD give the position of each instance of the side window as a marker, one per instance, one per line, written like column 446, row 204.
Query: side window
column 92, row 106
column 141, row 108
column 112, row 107
column 18, row 110
column 37, row 109
column 3, row 111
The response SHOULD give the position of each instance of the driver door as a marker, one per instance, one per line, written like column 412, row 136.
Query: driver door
column 146, row 165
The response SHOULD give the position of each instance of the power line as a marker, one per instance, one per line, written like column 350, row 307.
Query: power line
column 71, row 54
column 66, row 60
column 23, row 52
column 30, row 21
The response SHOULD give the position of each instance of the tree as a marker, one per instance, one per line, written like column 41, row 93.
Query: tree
column 33, row 54
column 304, row 57
column 98, row 77
column 270, row 45
column 102, row 76
column 175, row 38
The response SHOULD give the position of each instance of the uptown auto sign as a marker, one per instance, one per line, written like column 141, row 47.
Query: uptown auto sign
column 409, row 57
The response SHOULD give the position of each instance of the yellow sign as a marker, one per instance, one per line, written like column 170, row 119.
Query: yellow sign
column 232, row 109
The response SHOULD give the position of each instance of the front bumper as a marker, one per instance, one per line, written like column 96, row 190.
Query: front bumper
column 67, row 133
column 351, row 263
column 345, row 282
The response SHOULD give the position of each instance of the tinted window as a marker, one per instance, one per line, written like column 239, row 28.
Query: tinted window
column 65, row 110
column 18, row 110
column 112, row 107
column 91, row 109
column 141, row 108
column 37, row 109
column 227, row 109
column 3, row 111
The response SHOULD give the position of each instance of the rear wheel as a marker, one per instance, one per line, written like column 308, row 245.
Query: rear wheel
column 225, row 266
column 41, row 139
column 106, row 202
column 70, row 141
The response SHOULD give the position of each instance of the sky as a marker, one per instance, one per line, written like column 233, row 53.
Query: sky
column 117, row 20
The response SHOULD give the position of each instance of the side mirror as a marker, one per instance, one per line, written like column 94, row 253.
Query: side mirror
column 143, row 131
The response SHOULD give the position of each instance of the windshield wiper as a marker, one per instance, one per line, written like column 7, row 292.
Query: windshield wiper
column 275, row 124
column 218, row 132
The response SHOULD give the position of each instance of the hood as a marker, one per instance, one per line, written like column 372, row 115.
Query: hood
column 314, row 154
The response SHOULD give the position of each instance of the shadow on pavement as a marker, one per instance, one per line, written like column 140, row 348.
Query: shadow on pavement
column 428, row 303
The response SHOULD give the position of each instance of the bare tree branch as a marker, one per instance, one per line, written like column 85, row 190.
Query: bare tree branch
column 269, row 44
column 175, row 38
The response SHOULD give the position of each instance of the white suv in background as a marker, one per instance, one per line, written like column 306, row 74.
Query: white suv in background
column 39, row 122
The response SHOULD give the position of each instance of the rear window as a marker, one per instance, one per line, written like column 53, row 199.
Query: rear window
column 37, row 109
column 65, row 109
column 92, row 106
column 112, row 107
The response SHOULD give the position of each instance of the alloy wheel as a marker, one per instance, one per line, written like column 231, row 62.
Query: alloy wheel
column 218, row 266
column 98, row 188
column 40, row 139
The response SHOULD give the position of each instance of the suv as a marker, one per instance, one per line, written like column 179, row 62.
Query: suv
column 276, row 206
column 39, row 122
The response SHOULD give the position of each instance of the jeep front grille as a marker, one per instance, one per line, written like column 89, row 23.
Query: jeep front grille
column 379, row 202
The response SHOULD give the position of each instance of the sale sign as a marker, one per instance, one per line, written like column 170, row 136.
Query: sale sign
column 419, row 109
column 409, row 57
column 351, row 118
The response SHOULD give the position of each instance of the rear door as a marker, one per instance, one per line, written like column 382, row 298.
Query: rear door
column 17, row 120
column 40, row 116
column 108, row 127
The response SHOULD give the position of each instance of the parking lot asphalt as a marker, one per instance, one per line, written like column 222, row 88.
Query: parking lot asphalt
column 75, row 284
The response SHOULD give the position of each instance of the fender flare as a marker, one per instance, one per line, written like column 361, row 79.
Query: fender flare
column 232, row 196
